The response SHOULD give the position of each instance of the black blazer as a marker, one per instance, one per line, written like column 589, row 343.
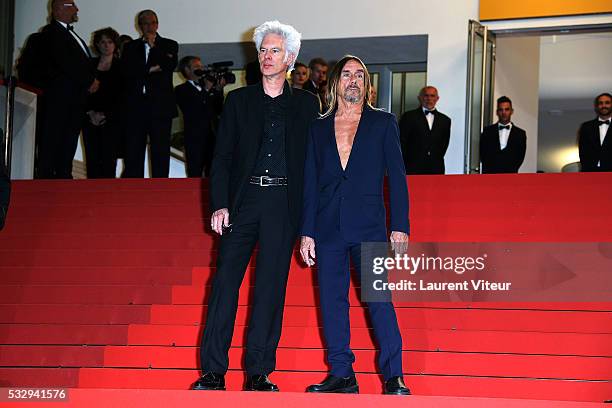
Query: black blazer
column 199, row 109
column 5, row 195
column 68, row 68
column 424, row 149
column 496, row 160
column 591, row 150
column 135, row 72
column 239, row 139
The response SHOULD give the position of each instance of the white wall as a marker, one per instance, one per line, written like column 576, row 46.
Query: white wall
column 193, row 21
column 517, row 76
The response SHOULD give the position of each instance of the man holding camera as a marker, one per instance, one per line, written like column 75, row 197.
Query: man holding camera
column 201, row 101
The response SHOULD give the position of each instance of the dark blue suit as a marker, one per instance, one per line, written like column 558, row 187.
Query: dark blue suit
column 342, row 209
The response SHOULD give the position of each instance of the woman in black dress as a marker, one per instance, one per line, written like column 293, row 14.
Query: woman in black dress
column 101, row 133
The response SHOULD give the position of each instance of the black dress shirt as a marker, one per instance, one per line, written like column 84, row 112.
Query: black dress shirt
column 271, row 160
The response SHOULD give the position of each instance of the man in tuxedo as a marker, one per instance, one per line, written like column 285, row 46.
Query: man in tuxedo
column 594, row 139
column 317, row 81
column 343, row 208
column 147, row 65
column 503, row 144
column 69, row 78
column 425, row 135
column 201, row 102
column 256, row 198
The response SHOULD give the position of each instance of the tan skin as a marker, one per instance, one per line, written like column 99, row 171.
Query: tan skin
column 67, row 12
column 299, row 76
column 274, row 61
column 351, row 90
column 318, row 74
column 504, row 112
column 603, row 107
column 429, row 97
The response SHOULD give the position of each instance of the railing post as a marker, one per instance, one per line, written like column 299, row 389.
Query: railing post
column 8, row 124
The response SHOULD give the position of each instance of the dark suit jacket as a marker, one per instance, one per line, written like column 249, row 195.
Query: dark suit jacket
column 496, row 160
column 591, row 150
column 135, row 71
column 424, row 149
column 198, row 109
column 69, row 72
column 352, row 199
column 5, row 195
column 239, row 139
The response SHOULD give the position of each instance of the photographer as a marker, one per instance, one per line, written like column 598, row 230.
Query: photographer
column 5, row 193
column 201, row 100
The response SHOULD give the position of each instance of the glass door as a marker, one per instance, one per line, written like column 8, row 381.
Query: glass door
column 480, row 80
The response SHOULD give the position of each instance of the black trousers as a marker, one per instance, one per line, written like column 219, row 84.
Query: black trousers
column 140, row 123
column 62, row 120
column 262, row 218
column 199, row 147
column 101, row 145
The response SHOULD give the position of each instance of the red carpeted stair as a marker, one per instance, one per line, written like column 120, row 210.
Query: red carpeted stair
column 103, row 284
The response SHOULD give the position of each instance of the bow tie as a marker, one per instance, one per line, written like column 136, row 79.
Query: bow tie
column 604, row 122
column 504, row 127
column 428, row 112
column 70, row 27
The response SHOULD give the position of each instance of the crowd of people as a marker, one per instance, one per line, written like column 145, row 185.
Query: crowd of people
column 123, row 100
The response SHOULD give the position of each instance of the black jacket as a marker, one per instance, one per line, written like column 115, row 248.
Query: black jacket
column 68, row 69
column 496, row 160
column 591, row 150
column 199, row 109
column 135, row 71
column 239, row 139
column 5, row 195
column 424, row 149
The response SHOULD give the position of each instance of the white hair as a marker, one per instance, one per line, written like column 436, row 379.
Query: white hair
column 289, row 34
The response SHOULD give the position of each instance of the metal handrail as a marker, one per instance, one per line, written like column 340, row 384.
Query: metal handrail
column 8, row 123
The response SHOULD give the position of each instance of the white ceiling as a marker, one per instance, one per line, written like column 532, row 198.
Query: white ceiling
column 575, row 66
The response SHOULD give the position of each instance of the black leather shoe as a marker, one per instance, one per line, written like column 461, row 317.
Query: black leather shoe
column 260, row 383
column 396, row 386
column 340, row 385
column 210, row 381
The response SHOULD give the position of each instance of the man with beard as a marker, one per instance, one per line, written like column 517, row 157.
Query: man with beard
column 502, row 144
column 594, row 140
column 256, row 198
column 350, row 150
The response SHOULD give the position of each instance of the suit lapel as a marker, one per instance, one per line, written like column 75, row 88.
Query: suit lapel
column 362, row 133
column 423, row 121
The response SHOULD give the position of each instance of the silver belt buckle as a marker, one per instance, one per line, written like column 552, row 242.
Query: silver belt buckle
column 261, row 180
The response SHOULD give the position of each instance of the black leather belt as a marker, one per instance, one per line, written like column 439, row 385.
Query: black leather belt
column 265, row 181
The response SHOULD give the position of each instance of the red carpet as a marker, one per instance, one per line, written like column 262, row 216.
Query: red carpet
column 102, row 285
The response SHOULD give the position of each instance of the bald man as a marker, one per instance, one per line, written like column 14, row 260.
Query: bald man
column 425, row 134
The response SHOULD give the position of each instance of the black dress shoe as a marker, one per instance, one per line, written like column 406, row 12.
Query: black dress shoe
column 396, row 386
column 340, row 385
column 210, row 381
column 260, row 383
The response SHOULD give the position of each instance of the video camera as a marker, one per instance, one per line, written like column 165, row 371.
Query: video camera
column 217, row 71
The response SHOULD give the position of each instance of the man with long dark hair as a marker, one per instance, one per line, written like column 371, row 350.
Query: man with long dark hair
column 350, row 149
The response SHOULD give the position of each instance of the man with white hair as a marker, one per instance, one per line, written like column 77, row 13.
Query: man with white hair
column 256, row 198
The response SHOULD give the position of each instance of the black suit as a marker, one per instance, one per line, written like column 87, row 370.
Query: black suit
column 5, row 195
column 199, row 111
column 592, row 151
column 69, row 75
column 151, row 112
column 269, row 216
column 423, row 149
column 497, row 160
